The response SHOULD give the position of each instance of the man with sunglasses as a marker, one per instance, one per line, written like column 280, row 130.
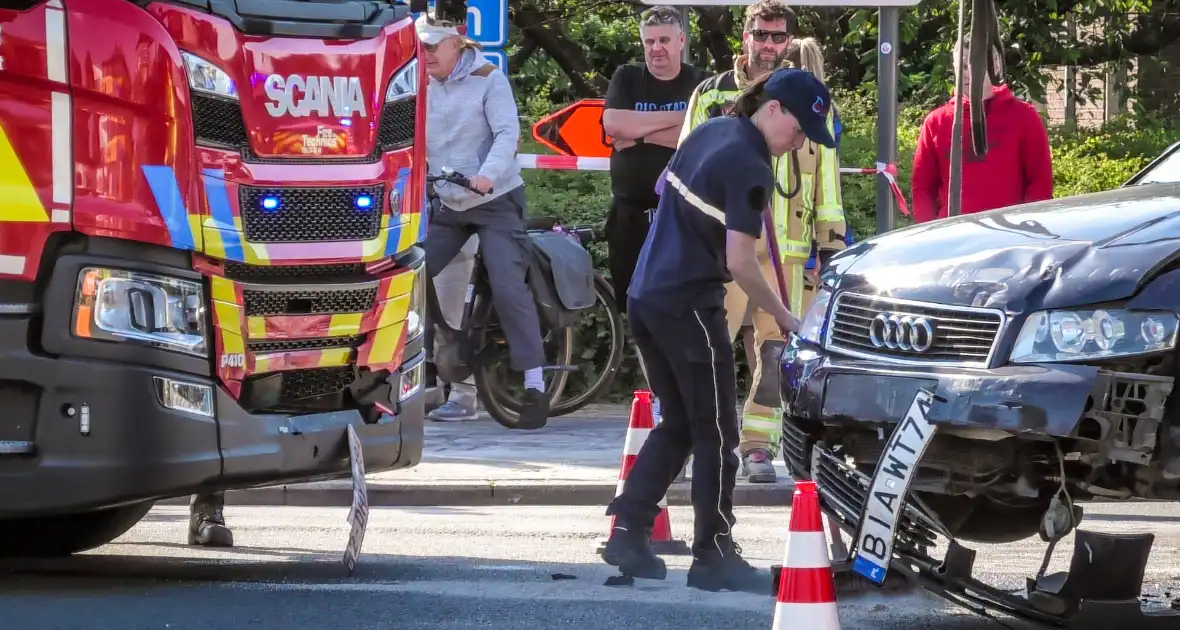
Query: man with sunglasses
column 644, row 111
column 807, row 196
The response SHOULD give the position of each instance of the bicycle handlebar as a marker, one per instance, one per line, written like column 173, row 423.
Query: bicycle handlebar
column 456, row 178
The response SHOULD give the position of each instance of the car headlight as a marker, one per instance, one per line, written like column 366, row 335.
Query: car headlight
column 812, row 326
column 404, row 84
column 414, row 319
column 1078, row 335
column 117, row 305
column 203, row 76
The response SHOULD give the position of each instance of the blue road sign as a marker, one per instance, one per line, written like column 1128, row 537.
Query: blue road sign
column 487, row 22
column 497, row 57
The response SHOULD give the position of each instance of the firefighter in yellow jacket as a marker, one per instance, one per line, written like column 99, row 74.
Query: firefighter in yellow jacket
column 807, row 209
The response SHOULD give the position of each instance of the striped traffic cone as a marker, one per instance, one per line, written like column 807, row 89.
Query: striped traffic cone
column 806, row 590
column 640, row 425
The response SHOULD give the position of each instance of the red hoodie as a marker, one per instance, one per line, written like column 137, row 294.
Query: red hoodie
column 1017, row 169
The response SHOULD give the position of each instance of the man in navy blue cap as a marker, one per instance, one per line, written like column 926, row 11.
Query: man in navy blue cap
column 717, row 185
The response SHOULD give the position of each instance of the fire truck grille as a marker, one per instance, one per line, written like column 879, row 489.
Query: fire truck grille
column 294, row 345
column 316, row 382
column 397, row 125
column 256, row 273
column 286, row 215
column 218, row 121
column 309, row 302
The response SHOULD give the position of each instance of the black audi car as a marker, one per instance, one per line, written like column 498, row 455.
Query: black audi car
column 1038, row 345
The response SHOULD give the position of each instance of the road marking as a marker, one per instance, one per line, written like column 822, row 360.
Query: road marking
column 586, row 588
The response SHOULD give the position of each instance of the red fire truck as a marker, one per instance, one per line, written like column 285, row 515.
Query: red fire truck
column 209, row 212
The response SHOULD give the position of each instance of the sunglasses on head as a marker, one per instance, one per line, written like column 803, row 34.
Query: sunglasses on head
column 779, row 37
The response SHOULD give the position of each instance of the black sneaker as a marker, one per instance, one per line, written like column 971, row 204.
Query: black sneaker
column 629, row 549
column 534, row 412
column 206, row 521
column 712, row 571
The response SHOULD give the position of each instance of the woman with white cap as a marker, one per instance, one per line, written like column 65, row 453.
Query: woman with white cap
column 473, row 127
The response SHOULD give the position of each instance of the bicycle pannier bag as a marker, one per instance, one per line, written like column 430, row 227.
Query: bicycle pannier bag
column 561, row 277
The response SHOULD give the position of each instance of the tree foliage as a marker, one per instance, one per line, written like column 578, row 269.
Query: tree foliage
column 587, row 39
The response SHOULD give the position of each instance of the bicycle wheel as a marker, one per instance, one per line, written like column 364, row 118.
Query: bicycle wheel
column 614, row 321
column 494, row 382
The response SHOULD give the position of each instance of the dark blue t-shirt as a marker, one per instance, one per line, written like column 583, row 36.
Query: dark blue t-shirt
column 719, row 179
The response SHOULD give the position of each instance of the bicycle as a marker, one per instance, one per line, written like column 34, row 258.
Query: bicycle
column 477, row 346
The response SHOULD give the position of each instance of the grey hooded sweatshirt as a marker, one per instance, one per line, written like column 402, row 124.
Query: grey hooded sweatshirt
column 473, row 127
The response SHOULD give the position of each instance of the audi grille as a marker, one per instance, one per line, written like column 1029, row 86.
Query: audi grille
column 918, row 333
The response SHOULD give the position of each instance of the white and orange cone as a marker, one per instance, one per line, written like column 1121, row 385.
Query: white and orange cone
column 806, row 590
column 639, row 427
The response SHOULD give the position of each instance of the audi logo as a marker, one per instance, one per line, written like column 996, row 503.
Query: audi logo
column 901, row 332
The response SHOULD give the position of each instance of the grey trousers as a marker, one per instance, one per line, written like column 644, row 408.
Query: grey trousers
column 504, row 247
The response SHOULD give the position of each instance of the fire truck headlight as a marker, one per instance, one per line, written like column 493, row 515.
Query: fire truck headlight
column 404, row 84
column 130, row 306
column 203, row 76
column 414, row 318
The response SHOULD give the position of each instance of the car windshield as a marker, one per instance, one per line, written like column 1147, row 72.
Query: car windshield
column 1166, row 171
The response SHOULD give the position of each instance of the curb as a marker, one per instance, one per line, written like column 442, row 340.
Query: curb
column 339, row 494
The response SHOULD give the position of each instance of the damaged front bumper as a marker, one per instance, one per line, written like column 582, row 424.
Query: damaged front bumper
column 1118, row 413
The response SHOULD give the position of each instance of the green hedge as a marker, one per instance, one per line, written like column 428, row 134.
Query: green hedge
column 1084, row 161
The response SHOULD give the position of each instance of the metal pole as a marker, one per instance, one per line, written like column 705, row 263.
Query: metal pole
column 686, row 54
column 955, row 185
column 888, row 26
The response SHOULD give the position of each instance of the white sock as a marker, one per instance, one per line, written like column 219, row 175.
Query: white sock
column 534, row 380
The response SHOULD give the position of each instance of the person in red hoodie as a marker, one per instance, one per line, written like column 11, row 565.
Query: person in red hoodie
column 1017, row 168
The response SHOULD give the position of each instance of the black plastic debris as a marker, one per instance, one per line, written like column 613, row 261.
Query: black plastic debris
column 620, row 580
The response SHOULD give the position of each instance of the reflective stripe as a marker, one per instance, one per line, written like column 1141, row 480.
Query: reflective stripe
column 752, row 422
column 693, row 200
column 63, row 163
column 55, row 44
column 60, row 125
column 833, row 212
column 13, row 265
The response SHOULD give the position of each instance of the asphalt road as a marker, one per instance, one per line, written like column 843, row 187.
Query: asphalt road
column 480, row 567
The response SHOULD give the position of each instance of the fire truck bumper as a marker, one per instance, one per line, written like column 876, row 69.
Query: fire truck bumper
column 84, row 434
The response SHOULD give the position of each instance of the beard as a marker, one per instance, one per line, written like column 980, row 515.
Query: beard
column 766, row 64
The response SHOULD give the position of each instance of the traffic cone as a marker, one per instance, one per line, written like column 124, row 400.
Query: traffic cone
column 640, row 425
column 806, row 590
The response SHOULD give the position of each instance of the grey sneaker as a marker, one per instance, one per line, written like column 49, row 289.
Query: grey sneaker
column 759, row 466
column 452, row 411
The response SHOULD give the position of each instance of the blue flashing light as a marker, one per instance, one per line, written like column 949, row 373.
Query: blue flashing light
column 347, row 122
column 270, row 203
column 364, row 202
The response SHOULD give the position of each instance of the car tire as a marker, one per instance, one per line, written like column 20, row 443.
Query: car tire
column 57, row 536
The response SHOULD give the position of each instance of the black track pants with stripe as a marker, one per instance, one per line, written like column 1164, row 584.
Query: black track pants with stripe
column 690, row 367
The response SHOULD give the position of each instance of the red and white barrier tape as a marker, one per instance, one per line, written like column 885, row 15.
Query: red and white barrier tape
column 571, row 163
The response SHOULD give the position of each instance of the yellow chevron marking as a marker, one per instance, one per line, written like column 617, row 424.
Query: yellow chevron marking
column 19, row 202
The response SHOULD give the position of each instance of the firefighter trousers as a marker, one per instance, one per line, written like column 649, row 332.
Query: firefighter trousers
column 762, row 412
column 690, row 367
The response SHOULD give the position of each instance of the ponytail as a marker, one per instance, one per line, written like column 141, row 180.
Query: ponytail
column 750, row 99
column 806, row 54
column 812, row 57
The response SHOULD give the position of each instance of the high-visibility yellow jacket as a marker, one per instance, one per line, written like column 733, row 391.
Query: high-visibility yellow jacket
column 816, row 213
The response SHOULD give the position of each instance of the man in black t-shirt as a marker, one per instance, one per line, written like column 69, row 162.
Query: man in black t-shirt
column 710, row 216
column 644, row 113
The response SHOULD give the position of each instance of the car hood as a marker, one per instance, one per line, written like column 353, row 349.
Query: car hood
column 1052, row 254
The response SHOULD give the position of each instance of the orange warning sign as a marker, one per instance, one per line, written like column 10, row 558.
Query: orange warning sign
column 576, row 130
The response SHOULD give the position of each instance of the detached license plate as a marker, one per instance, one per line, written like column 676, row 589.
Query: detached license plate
column 889, row 487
